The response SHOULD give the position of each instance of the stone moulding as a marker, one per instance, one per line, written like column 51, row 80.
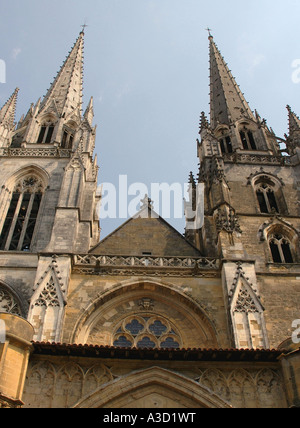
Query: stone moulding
column 149, row 265
column 35, row 152
column 257, row 159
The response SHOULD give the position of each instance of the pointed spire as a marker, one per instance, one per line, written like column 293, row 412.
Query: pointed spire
column 65, row 93
column 8, row 111
column 294, row 121
column 227, row 102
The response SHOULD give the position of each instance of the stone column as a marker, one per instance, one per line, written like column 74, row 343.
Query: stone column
column 15, row 347
column 291, row 371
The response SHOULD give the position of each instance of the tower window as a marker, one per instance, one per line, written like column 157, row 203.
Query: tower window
column 281, row 249
column 266, row 199
column 46, row 134
column 226, row 145
column 19, row 225
column 248, row 140
column 67, row 140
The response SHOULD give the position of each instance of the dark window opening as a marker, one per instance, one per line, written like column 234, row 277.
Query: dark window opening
column 42, row 134
column 272, row 200
column 9, row 219
column 281, row 250
column 46, row 134
column 49, row 134
column 226, row 145
column 267, row 199
column 275, row 252
column 248, row 140
column 244, row 140
column 286, row 249
column 252, row 141
column 67, row 141
column 262, row 202
column 19, row 225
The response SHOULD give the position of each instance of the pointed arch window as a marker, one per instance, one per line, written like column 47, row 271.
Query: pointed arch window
column 226, row 145
column 46, row 133
column 247, row 139
column 67, row 140
column 280, row 248
column 18, row 228
column 266, row 198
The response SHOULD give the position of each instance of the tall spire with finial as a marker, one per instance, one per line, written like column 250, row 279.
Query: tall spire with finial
column 65, row 93
column 8, row 111
column 227, row 102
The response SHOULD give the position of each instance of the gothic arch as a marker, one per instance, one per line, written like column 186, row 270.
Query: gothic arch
column 281, row 227
column 152, row 387
column 25, row 189
column 43, row 175
column 268, row 192
column 148, row 298
column 10, row 301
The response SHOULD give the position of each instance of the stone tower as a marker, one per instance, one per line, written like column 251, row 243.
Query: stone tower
column 48, row 196
column 252, row 217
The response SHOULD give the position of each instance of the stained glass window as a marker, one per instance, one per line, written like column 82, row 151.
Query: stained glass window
column 146, row 332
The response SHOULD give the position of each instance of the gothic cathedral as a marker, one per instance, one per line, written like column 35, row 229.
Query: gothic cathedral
column 147, row 317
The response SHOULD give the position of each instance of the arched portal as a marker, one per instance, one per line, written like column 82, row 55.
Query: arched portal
column 153, row 388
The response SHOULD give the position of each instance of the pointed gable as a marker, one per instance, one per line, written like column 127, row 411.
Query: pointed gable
column 146, row 235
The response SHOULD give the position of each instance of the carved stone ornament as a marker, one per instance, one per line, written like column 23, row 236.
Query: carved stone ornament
column 146, row 304
column 8, row 303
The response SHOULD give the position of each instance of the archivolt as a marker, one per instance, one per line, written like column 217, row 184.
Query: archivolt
column 172, row 386
column 198, row 330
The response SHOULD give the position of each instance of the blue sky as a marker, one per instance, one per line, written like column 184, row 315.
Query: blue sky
column 146, row 64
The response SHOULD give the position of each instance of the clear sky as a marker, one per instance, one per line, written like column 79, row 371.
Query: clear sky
column 146, row 64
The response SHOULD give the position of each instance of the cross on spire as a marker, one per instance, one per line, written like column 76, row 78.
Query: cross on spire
column 146, row 203
column 84, row 27
column 209, row 31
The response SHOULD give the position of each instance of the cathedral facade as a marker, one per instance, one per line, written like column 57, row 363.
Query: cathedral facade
column 148, row 317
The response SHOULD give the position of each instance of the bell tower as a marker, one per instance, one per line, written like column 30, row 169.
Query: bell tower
column 250, row 220
column 49, row 191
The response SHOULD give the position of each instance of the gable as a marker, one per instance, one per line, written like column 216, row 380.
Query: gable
column 146, row 236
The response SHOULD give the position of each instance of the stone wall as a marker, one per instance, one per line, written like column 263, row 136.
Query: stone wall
column 68, row 382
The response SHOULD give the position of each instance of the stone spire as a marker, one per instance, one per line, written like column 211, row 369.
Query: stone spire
column 65, row 93
column 227, row 103
column 8, row 111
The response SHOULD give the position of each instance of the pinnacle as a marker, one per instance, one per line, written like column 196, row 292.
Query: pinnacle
column 7, row 113
column 294, row 121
